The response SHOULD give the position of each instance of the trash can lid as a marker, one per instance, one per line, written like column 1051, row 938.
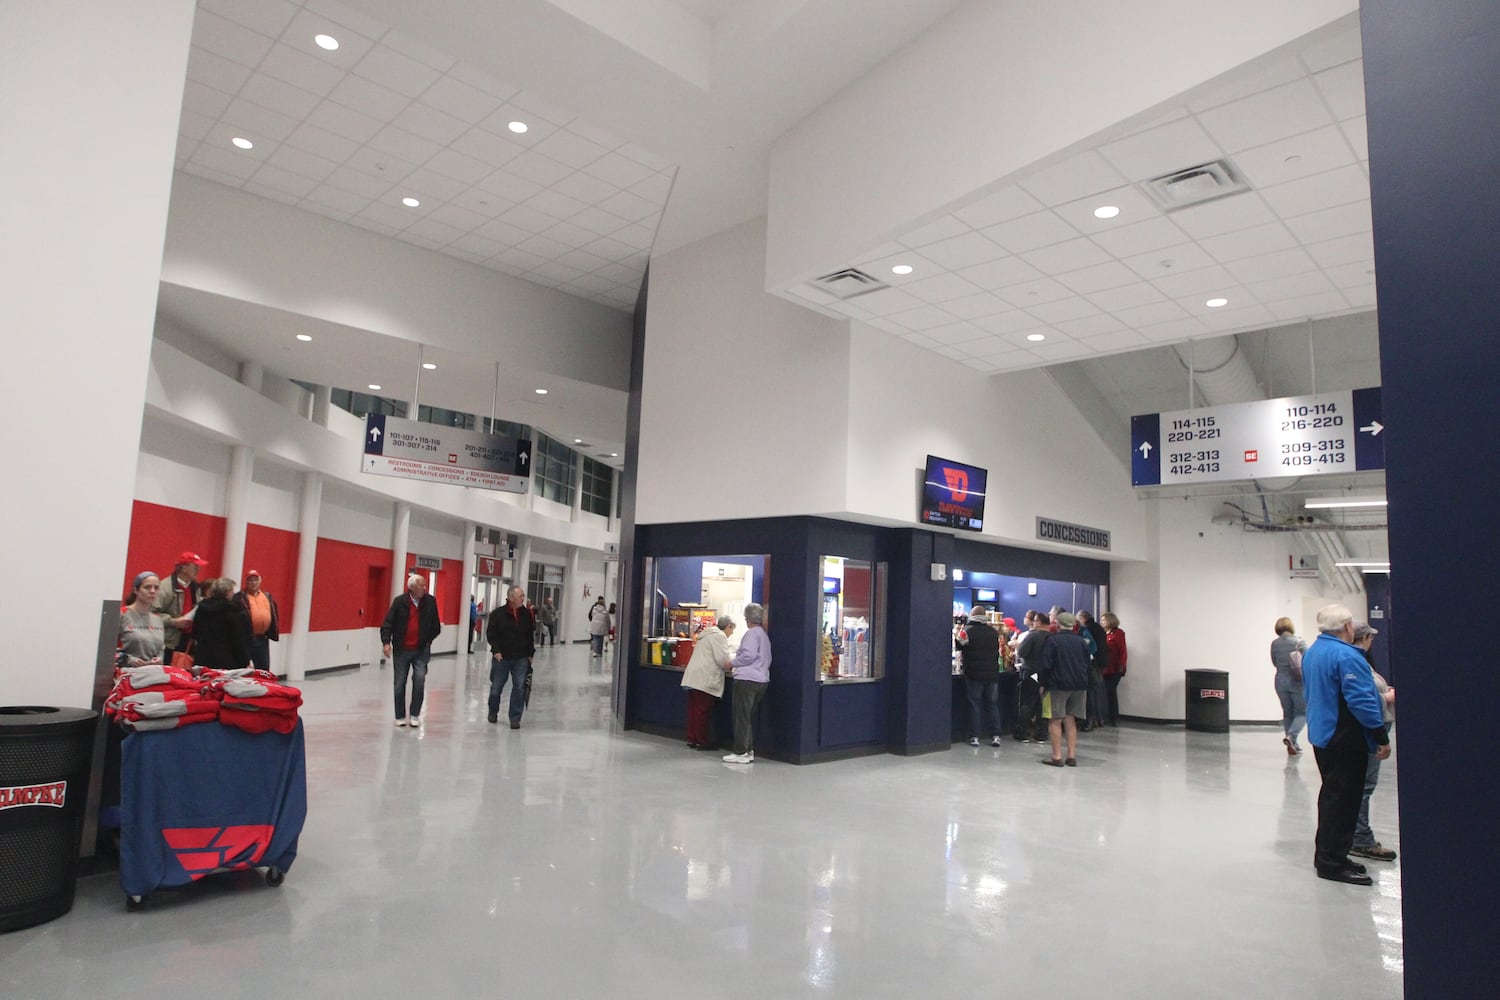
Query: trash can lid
column 35, row 716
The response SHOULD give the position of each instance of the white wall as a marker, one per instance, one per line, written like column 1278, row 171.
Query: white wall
column 745, row 398
column 990, row 90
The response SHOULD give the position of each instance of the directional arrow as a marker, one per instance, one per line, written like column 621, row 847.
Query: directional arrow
column 523, row 458
column 1374, row 427
column 374, row 435
column 1145, row 449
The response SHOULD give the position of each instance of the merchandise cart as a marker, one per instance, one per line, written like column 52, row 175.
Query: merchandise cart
column 208, row 798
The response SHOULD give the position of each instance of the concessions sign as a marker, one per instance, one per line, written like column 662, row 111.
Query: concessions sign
column 437, row 454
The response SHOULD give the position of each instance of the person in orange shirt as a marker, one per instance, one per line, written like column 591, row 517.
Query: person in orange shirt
column 264, row 619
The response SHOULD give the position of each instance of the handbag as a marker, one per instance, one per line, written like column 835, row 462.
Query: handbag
column 182, row 661
column 1295, row 659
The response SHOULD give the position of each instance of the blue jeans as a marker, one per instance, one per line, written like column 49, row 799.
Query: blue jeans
column 984, row 706
column 260, row 652
column 1293, row 705
column 414, row 660
column 597, row 642
column 513, row 671
column 1363, row 835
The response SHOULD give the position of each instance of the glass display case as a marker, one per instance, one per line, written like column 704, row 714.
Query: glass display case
column 851, row 620
column 686, row 594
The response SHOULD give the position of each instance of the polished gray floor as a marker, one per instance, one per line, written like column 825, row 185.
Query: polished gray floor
column 570, row 860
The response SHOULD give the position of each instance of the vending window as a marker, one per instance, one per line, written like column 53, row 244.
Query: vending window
column 851, row 621
column 686, row 594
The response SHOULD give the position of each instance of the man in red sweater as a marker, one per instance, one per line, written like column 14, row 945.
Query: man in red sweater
column 406, row 636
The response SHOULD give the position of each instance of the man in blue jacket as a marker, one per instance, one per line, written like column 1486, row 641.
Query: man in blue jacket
column 1345, row 725
column 1065, row 680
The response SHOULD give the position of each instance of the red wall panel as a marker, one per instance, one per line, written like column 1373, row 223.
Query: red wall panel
column 450, row 578
column 158, row 535
column 273, row 552
column 341, row 588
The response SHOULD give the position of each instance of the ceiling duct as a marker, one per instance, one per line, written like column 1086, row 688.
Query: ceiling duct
column 1195, row 185
column 1220, row 370
column 848, row 283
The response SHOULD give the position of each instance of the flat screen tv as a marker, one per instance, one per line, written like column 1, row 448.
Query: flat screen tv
column 953, row 494
column 984, row 595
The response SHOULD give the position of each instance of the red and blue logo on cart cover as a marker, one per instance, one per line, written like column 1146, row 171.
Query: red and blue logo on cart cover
column 205, row 849
column 50, row 793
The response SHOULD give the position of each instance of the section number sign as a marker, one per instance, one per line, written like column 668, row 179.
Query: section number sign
column 437, row 454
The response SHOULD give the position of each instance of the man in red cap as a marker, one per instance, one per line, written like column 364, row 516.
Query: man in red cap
column 264, row 619
column 175, row 600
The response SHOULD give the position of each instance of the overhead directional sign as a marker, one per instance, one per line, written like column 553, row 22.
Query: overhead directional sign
column 438, row 454
column 1331, row 432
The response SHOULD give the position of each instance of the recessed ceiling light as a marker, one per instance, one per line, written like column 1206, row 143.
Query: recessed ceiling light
column 410, row 202
column 372, row 385
column 578, row 440
column 541, row 392
column 1106, row 211
column 614, row 454
column 326, row 42
column 242, row 142
column 1036, row 338
column 517, row 127
column 1216, row 303
column 304, row 337
column 429, row 366
column 901, row 269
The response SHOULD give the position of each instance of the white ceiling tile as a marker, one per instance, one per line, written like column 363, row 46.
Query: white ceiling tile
column 337, row 200
column 418, row 50
column 650, row 159
column 1174, row 330
column 499, row 123
column 431, row 124
column 880, row 267
column 1355, row 131
column 223, row 37
column 570, row 148
column 186, row 146
column 1241, row 85
column 486, row 147
column 260, row 123
column 204, row 100
column 1113, row 340
column 341, row 14
column 569, row 234
column 458, row 100
column 268, row 17
column 396, row 72
column 485, row 203
column 588, row 283
column 1134, row 207
column 323, row 143
column 353, row 43
column 407, row 236
column 538, row 168
column 1000, row 273
column 622, row 273
column 1125, row 297
column 482, row 80
column 1291, row 286
column 1140, row 237
column 1156, row 313
column 1223, row 215
column 1268, row 266
column 1330, row 223
column 1003, row 324
column 1070, row 255
column 1325, row 190
column 269, row 92
column 1294, row 158
column 228, row 162
column 1030, row 232
column 623, row 172
column 936, row 231
column 1353, row 275
column 1076, row 177
column 922, row 318
column 355, row 182
column 369, row 98
column 1231, row 320
column 1309, row 306
column 1250, row 242
column 582, row 260
column 1344, row 250
column 976, row 306
column 1162, row 150
column 461, row 168
column 955, row 333
column 1275, row 114
column 629, row 206
column 1168, row 260
column 1057, row 349
column 1339, row 49
column 640, row 237
column 391, row 169
column 598, row 221
column 437, row 232
column 519, row 259
column 194, row 125
column 1200, row 281
column 302, row 70
column 542, row 109
column 595, row 134
column 1361, row 297
column 1062, row 310
column 506, row 235
column 1002, row 206
column 458, row 217
column 550, row 249
column 889, row 301
column 400, row 143
column 585, row 188
column 655, row 188
column 303, row 163
column 558, row 205
column 393, row 215
column 940, row 288
column 1032, row 293
column 955, row 253
column 1343, row 87
column 215, row 71
column 275, row 194
column 221, row 136
column 528, row 218
column 345, row 121
column 1111, row 274
column 432, row 187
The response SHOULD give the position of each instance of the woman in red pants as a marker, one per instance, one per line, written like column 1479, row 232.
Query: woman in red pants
column 704, row 680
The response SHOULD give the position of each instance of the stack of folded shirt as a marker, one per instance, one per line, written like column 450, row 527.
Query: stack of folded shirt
column 255, row 702
column 160, row 697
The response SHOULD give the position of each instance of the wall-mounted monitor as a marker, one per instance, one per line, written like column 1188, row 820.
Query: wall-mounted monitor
column 984, row 595
column 953, row 494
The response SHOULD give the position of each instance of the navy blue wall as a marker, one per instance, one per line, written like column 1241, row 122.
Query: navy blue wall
column 1011, row 596
column 681, row 577
column 1432, row 72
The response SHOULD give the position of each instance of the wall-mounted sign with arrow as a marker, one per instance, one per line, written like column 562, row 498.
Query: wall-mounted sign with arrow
column 434, row 453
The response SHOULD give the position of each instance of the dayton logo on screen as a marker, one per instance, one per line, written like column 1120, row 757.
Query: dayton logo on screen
column 958, row 483
column 206, row 849
column 51, row 793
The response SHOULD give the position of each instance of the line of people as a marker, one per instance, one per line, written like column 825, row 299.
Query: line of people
column 211, row 622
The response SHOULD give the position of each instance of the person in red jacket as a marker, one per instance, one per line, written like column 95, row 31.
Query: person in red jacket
column 1114, row 664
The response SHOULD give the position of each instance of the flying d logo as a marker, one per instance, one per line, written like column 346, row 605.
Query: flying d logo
column 201, row 850
column 958, row 483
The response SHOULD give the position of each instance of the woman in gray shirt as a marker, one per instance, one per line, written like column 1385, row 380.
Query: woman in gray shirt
column 142, row 630
column 1289, row 683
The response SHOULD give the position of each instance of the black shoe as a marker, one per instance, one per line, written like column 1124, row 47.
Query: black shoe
column 1347, row 875
column 494, row 718
column 1355, row 866
column 1052, row 762
column 695, row 746
column 515, row 725
column 1071, row 762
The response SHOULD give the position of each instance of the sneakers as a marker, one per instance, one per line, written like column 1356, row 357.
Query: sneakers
column 1374, row 851
column 494, row 718
column 401, row 723
column 994, row 741
column 1292, row 749
column 739, row 758
column 414, row 721
column 973, row 741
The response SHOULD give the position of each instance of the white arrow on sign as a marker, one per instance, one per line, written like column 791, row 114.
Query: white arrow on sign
column 523, row 459
column 1374, row 428
column 1145, row 449
column 374, row 435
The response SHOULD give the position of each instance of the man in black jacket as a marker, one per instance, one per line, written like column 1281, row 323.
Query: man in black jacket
column 1065, row 680
column 512, row 637
column 408, row 630
column 979, row 648
column 1098, row 657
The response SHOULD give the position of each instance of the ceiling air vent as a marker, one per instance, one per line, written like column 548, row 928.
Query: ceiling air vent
column 848, row 283
column 1195, row 185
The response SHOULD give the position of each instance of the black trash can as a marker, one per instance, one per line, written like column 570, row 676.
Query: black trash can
column 45, row 757
column 1208, row 701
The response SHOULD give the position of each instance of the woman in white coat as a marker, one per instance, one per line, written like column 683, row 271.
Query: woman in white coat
column 704, row 680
